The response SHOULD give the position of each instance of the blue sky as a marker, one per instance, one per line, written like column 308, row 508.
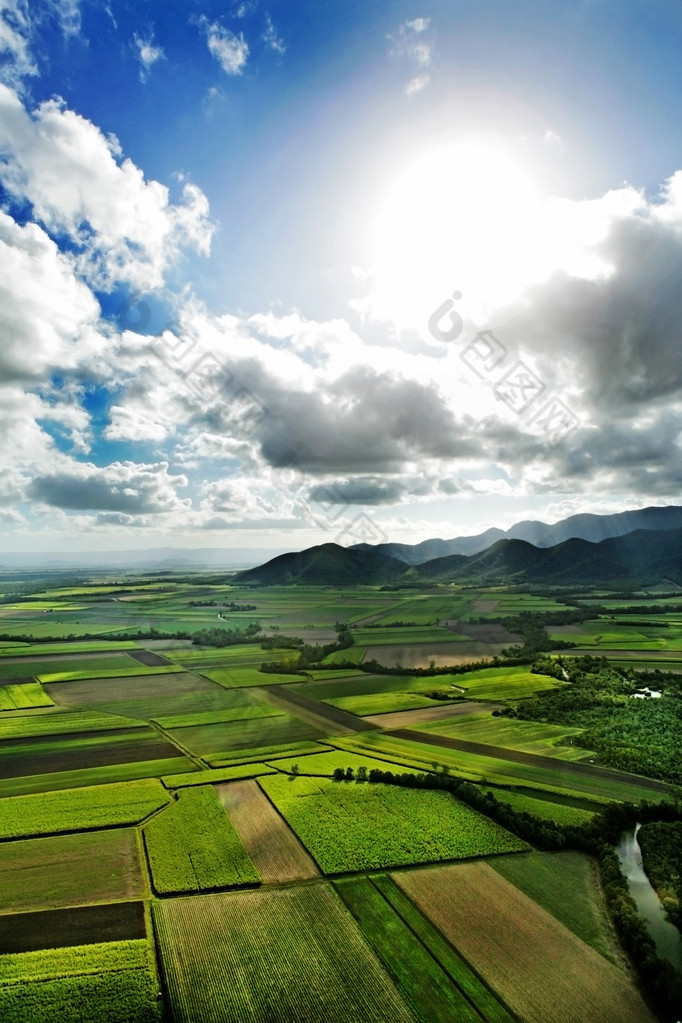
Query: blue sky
column 224, row 231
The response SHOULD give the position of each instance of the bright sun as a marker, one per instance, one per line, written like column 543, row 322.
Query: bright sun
column 467, row 217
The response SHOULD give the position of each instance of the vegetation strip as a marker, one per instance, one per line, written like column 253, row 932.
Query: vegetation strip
column 537, row 760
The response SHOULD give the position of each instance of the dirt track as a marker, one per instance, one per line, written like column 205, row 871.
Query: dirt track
column 532, row 759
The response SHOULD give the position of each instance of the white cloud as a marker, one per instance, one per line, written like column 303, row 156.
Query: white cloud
column 77, row 183
column 15, row 33
column 147, row 54
column 48, row 318
column 272, row 38
column 409, row 45
column 416, row 84
column 231, row 51
column 121, row 487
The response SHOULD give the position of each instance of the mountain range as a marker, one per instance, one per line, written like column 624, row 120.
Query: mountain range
column 627, row 559
column 541, row 534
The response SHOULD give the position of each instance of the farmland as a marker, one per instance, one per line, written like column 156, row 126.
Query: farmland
column 506, row 938
column 353, row 827
column 146, row 777
column 277, row 952
column 113, row 981
column 193, row 847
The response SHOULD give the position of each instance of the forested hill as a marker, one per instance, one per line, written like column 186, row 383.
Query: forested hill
column 640, row 558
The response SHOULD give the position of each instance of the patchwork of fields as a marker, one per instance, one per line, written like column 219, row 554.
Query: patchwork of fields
column 177, row 845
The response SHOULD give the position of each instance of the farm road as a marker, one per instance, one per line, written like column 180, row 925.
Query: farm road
column 534, row 760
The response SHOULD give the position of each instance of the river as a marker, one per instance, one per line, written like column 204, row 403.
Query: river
column 666, row 936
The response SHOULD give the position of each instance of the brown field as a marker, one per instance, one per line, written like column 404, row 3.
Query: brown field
column 59, row 928
column 50, row 873
column 331, row 720
column 484, row 607
column 275, row 850
column 419, row 655
column 405, row 718
column 149, row 659
column 288, row 955
column 532, row 962
column 81, row 750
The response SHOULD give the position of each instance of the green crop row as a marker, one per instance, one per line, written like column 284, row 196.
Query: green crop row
column 428, row 973
column 24, row 697
column 61, row 722
column 182, row 781
column 348, row 826
column 193, row 846
column 214, row 717
column 81, row 809
column 286, row 749
column 114, row 981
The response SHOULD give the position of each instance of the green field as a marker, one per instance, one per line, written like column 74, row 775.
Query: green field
column 428, row 973
column 291, row 955
column 47, row 873
column 23, row 697
column 566, row 885
column 347, row 826
column 99, row 806
column 115, row 982
column 192, row 846
column 100, row 821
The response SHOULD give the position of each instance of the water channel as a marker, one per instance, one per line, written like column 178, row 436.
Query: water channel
column 666, row 936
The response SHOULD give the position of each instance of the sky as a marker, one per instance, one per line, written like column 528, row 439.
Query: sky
column 275, row 274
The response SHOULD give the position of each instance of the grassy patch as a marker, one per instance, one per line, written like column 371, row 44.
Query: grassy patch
column 24, row 697
column 181, row 781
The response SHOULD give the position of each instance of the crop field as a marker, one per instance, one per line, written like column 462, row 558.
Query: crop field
column 511, row 733
column 437, row 988
column 61, row 722
column 192, row 846
column 144, row 697
column 566, row 884
column 241, row 735
column 509, row 940
column 24, row 785
column 348, row 826
column 274, row 849
column 286, row 749
column 559, row 813
column 23, row 697
column 501, row 771
column 507, row 684
column 215, row 717
column 381, row 703
column 112, row 981
column 86, row 809
column 47, row 873
column 76, row 925
column 293, row 955
column 80, row 750
column 144, row 776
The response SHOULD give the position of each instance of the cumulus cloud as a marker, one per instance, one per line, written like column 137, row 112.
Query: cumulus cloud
column 121, row 487
column 78, row 184
column 48, row 318
column 147, row 54
column 230, row 50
